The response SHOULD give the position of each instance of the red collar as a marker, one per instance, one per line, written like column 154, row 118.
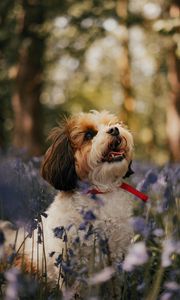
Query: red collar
column 126, row 187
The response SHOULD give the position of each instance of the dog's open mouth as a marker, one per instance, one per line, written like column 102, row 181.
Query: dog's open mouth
column 115, row 152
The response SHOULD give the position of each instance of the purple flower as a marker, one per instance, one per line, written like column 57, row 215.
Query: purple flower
column 12, row 289
column 58, row 260
column 137, row 256
column 159, row 232
column 150, row 178
column 103, row 276
column 82, row 226
column 172, row 290
column 140, row 226
column 169, row 247
column 172, row 285
column 11, row 257
column 166, row 296
column 83, row 186
column 19, row 286
column 58, row 232
column 89, row 216
column 31, row 226
column 66, row 267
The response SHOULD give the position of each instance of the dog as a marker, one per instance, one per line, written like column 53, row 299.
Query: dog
column 93, row 150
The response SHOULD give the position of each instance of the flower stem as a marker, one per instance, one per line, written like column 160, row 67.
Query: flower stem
column 153, row 295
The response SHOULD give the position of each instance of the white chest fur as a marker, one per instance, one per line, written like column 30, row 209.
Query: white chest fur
column 112, row 218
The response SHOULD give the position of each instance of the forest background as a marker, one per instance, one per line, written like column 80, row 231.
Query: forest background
column 62, row 57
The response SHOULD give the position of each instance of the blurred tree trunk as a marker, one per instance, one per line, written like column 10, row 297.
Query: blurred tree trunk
column 28, row 82
column 2, row 137
column 125, row 64
column 6, row 8
column 173, row 108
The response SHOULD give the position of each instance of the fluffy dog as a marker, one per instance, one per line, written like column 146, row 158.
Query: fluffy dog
column 94, row 149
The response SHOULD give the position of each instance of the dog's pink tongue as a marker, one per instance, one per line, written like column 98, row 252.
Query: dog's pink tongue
column 115, row 154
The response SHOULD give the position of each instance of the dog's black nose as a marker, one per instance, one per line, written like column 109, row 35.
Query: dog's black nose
column 114, row 131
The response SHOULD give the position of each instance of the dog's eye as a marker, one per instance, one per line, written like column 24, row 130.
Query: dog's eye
column 89, row 135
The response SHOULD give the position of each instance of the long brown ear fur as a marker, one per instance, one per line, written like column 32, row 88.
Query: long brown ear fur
column 58, row 166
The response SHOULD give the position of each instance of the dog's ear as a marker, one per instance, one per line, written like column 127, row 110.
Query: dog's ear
column 58, row 166
column 129, row 171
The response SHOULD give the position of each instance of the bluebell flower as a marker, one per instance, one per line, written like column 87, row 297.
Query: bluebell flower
column 58, row 232
column 31, row 226
column 58, row 260
column 102, row 276
column 12, row 290
column 166, row 296
column 11, row 257
column 94, row 197
column 150, row 178
column 89, row 216
column 83, row 186
column 140, row 226
column 172, row 286
column 159, row 232
column 83, row 225
column 66, row 267
column 169, row 247
column 137, row 255
column 99, row 200
column 19, row 286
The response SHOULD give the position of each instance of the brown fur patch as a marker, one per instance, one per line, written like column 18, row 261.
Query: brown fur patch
column 82, row 168
column 58, row 166
column 24, row 263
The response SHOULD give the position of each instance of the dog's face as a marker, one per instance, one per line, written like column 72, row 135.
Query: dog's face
column 93, row 146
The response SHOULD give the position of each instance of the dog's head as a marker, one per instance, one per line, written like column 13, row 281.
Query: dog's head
column 93, row 146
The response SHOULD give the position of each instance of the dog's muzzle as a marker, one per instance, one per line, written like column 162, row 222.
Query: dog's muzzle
column 117, row 148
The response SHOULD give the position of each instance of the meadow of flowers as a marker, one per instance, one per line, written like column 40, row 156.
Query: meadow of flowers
column 150, row 269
